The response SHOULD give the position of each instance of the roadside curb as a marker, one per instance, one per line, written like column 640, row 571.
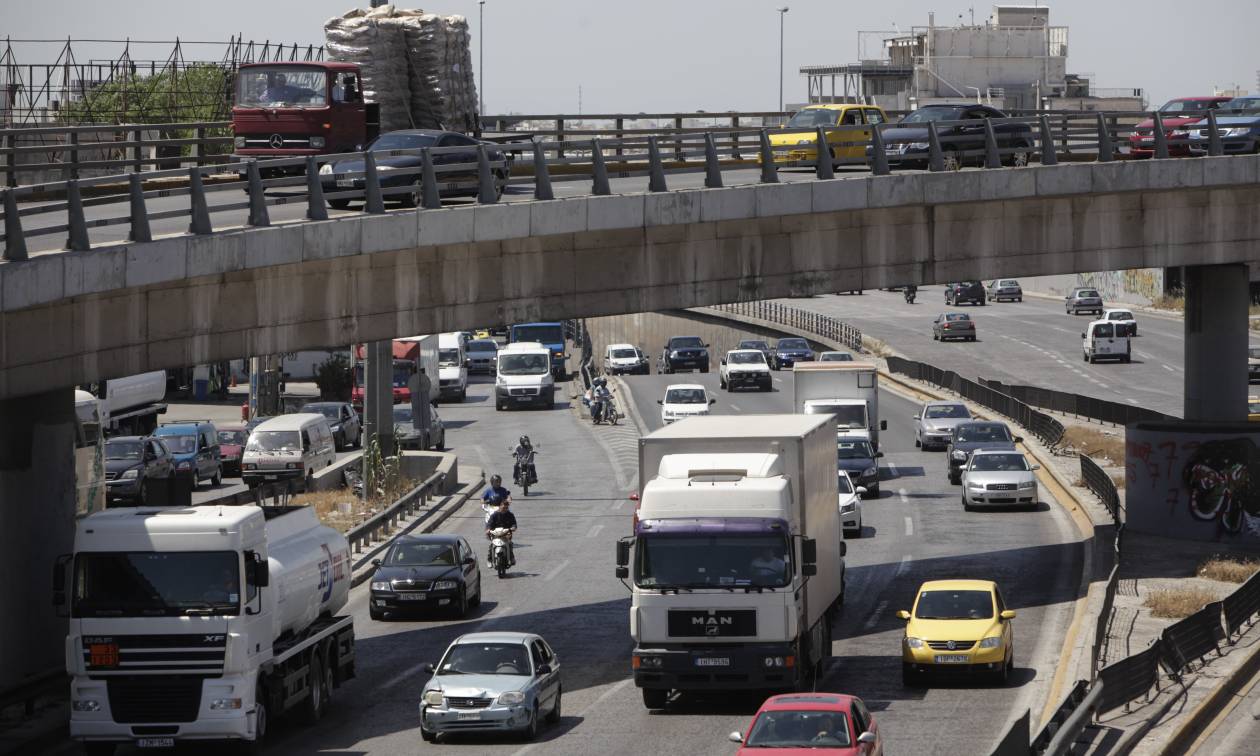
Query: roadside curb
column 1202, row 722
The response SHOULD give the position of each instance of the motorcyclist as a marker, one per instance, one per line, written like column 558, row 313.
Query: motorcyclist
column 911, row 290
column 523, row 455
column 495, row 495
column 501, row 518
column 602, row 398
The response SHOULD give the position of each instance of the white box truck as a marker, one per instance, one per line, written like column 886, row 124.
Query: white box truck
column 847, row 390
column 202, row 623
column 736, row 562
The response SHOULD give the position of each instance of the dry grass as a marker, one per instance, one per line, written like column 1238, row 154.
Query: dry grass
column 876, row 347
column 1228, row 569
column 1097, row 443
column 1178, row 603
column 1169, row 302
column 331, row 506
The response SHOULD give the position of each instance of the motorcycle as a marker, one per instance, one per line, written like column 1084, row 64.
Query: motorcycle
column 603, row 409
column 499, row 540
column 910, row 293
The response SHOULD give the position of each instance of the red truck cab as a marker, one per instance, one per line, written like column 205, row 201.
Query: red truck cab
column 405, row 354
column 1173, row 115
column 297, row 109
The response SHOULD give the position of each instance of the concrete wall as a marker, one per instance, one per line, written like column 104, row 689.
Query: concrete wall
column 1140, row 286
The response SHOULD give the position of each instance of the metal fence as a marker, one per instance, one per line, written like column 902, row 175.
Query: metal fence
column 384, row 522
column 1102, row 486
column 1078, row 405
column 824, row 326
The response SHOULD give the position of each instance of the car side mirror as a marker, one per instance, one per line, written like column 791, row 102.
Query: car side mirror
column 809, row 551
column 430, row 668
column 544, row 669
column 260, row 571
column 634, row 497
column 867, row 737
column 661, row 402
column 1035, row 468
column 879, row 454
column 809, row 570
column 706, row 346
column 470, row 560
column 1082, row 334
column 1008, row 614
column 903, row 614
column 844, row 548
column 1019, row 439
column 860, row 490
column 735, row 737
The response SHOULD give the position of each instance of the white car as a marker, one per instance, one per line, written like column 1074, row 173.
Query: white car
column 999, row 478
column 1122, row 318
column 744, row 367
column 835, row 357
column 683, row 400
column 850, row 506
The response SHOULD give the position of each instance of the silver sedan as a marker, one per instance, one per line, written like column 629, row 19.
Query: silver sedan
column 935, row 423
column 999, row 478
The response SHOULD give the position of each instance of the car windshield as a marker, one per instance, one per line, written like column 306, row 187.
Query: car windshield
column 709, row 561
column 180, row 444
column 402, row 413
column 812, row 117
column 482, row 346
column 923, row 115
column 843, row 484
column 1242, row 103
column 1120, row 315
column 950, row 605
column 980, row 433
column 957, row 316
column 523, row 364
column 624, row 354
column 1009, row 283
column 835, row 357
column 448, row 358
column 685, row 396
column 847, row 415
column 272, row 441
column 418, row 554
column 300, row 86
column 145, row 583
column 799, row 729
column 793, row 344
column 763, row 346
column 485, row 659
column 854, row 450
column 123, row 449
column 543, row 334
column 402, row 142
column 1185, row 106
column 999, row 463
column 748, row 358
column 686, row 342
column 330, row 411
column 236, row 437
column 938, row 411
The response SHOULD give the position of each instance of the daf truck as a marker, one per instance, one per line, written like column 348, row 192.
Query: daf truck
column 202, row 623
column 736, row 563
column 849, row 391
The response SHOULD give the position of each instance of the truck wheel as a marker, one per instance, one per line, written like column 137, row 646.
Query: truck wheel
column 261, row 722
column 313, row 705
column 655, row 698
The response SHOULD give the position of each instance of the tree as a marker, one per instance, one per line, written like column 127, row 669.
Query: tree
column 334, row 378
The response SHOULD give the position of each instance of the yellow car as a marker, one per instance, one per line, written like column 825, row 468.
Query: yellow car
column 958, row 625
column 482, row 333
column 1253, row 409
column 849, row 143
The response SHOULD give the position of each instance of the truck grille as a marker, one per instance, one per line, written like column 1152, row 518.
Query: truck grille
column 194, row 655
column 523, row 392
column 290, row 141
column 944, row 645
column 467, row 703
column 154, row 699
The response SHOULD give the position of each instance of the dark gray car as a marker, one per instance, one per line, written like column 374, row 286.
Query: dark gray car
column 971, row 292
column 424, row 573
column 1083, row 299
column 131, row 464
column 961, row 130
column 346, row 427
column 1006, row 288
column 858, row 459
column 968, row 437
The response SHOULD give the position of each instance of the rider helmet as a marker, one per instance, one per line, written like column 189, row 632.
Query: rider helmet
column 496, row 481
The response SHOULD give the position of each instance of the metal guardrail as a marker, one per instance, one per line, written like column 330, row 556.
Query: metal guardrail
column 1087, row 407
column 879, row 148
column 385, row 521
column 31, row 688
column 1102, row 486
column 825, row 326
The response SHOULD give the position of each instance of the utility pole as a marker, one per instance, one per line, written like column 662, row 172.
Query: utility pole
column 782, row 12
column 481, row 56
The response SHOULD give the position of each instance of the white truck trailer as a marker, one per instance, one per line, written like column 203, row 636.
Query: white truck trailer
column 202, row 623
column 130, row 406
column 738, row 561
column 847, row 390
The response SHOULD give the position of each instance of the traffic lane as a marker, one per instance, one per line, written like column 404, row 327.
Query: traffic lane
column 1031, row 342
column 1238, row 733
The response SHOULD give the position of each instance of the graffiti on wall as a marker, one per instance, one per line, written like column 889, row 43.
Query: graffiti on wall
column 1139, row 285
column 1193, row 481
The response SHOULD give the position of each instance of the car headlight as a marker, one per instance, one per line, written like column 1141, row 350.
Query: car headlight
column 917, row 146
column 185, row 465
column 317, row 142
column 847, row 508
column 1028, row 484
column 225, row 704
column 326, row 169
column 86, row 704
column 976, row 486
column 993, row 642
column 386, row 168
column 673, row 355
column 914, row 642
column 512, row 698
column 959, row 455
column 380, row 585
column 1235, row 132
column 131, row 474
column 445, row 585
column 434, row 697
column 870, row 471
column 238, row 142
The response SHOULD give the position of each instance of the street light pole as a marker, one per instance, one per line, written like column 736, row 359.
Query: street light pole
column 481, row 57
column 782, row 12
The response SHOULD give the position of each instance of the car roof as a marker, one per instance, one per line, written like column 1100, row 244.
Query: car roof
column 621, row 346
column 125, row 438
column 982, row 424
column 173, row 428
column 673, row 386
column 821, row 701
column 296, row 421
column 1201, row 98
column 963, row 584
column 1110, row 310
column 944, row 403
column 746, row 351
column 987, row 452
column 499, row 637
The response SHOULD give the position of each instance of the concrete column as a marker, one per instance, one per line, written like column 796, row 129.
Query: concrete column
column 1216, row 343
column 37, row 512
column 378, row 395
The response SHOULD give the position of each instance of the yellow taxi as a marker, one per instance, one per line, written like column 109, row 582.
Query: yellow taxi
column 957, row 626
column 850, row 143
column 482, row 333
column 1253, row 409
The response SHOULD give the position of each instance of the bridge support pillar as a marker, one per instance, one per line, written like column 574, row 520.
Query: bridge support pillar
column 1216, row 343
column 37, row 513
column 378, row 395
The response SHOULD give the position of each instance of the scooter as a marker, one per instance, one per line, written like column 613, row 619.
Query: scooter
column 499, row 540
column 598, row 408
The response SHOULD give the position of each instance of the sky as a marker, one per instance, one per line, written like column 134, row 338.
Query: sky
column 682, row 55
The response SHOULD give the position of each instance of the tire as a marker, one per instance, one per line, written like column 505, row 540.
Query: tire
column 553, row 716
column 429, row 737
column 262, row 722
column 852, row 532
column 311, row 710
column 525, row 488
column 704, row 369
column 376, row 614
column 461, row 609
column 655, row 698
column 1092, row 359
column 873, row 491
column 935, row 337
column 339, row 204
column 918, row 444
column 531, row 730
column 722, row 383
column 142, row 498
column 463, row 394
column 966, row 506
column 412, row 198
column 955, row 480
column 1003, row 676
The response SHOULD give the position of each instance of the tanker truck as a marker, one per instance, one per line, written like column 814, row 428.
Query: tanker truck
column 201, row 623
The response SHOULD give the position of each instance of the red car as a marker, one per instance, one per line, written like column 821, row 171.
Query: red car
column 805, row 723
column 1173, row 114
column 232, row 439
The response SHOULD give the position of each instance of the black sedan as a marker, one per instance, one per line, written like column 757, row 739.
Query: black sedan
column 387, row 166
column 971, row 292
column 425, row 572
column 133, row 466
column 906, row 144
column 970, row 437
column 857, row 458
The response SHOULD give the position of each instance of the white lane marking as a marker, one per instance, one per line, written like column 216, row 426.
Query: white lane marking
column 1167, row 368
column 736, row 408
column 892, row 469
column 594, row 531
column 874, row 618
column 552, row 575
column 1131, row 401
column 905, row 496
column 904, row 566
column 909, row 526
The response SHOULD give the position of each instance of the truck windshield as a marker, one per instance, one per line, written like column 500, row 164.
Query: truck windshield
column 543, row 334
column 847, row 415
column 523, row 364
column 448, row 358
column 272, row 441
column 287, row 86
column 147, row 583
column 712, row 561
column 402, row 374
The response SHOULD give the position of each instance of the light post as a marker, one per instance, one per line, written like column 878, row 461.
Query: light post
column 481, row 57
column 782, row 12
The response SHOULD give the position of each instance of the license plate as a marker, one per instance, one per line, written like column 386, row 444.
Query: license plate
column 468, row 716
column 345, row 183
column 713, row 661
column 412, row 596
column 523, row 398
column 951, row 659
column 155, row 743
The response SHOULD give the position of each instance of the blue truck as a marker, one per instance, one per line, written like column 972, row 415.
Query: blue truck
column 550, row 335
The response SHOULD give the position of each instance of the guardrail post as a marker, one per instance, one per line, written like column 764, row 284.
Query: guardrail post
column 599, row 171
column 656, row 169
column 735, row 138
column 992, row 157
column 769, row 171
column 257, row 202
column 14, row 239
column 1048, row 154
column 137, row 151
column 879, row 158
column 560, row 137
column 542, row 178
column 1161, row 138
column 71, row 167
column 619, row 126
column 316, row 210
column 712, row 166
column 432, row 198
column 1105, row 151
column 10, row 160
column 139, row 214
column 823, row 167
column 199, row 147
column 1215, row 148
column 936, row 158
column 485, row 179
column 372, row 201
column 199, row 213
column 678, row 148
column 78, row 239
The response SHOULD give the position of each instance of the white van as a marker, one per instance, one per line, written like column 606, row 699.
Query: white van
column 289, row 447
column 523, row 376
column 1104, row 339
column 452, row 366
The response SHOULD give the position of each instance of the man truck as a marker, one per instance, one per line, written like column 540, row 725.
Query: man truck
column 849, row 391
column 736, row 561
column 202, row 623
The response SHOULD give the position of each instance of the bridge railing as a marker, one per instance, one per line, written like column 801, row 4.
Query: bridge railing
column 487, row 169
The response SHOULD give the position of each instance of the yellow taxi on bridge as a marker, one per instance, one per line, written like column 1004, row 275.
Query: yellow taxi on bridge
column 957, row 626
column 802, row 132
